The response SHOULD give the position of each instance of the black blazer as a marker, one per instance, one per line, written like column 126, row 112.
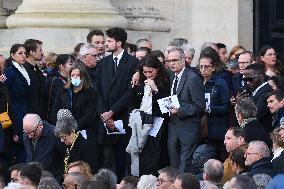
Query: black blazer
column 114, row 91
column 263, row 113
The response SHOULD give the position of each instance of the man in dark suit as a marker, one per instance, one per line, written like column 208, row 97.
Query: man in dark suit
column 34, row 53
column 184, row 126
column 114, row 75
column 255, row 79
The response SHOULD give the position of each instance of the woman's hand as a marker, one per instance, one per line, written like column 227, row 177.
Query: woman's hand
column 152, row 84
column 3, row 78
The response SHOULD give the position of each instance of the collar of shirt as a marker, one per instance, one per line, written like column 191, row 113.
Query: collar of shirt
column 258, row 88
column 180, row 73
column 178, row 76
column 119, row 56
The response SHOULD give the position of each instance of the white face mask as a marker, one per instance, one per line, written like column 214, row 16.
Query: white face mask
column 75, row 81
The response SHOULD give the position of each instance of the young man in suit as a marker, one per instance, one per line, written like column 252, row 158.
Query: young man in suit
column 114, row 75
column 184, row 126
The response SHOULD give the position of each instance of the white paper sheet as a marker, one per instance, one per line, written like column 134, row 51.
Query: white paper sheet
column 168, row 102
column 158, row 121
column 118, row 128
column 84, row 134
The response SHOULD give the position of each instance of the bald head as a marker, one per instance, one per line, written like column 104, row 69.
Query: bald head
column 32, row 125
column 213, row 170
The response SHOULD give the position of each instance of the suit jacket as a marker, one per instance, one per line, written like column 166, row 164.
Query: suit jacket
column 190, row 92
column 114, row 91
column 263, row 114
column 34, row 102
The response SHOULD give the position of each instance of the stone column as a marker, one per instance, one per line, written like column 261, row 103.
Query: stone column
column 141, row 15
column 65, row 14
column 3, row 15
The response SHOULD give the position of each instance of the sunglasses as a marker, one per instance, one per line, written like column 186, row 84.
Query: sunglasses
column 249, row 79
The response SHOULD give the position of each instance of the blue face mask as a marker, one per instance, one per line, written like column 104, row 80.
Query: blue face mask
column 49, row 70
column 75, row 81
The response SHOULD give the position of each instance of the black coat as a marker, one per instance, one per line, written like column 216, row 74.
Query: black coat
column 114, row 91
column 262, row 166
column 263, row 113
column 82, row 105
column 255, row 131
column 35, row 90
column 278, row 164
column 55, row 82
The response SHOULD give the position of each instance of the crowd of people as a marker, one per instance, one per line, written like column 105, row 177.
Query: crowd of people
column 96, row 119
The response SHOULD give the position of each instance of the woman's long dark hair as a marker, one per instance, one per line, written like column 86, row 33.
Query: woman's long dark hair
column 151, row 61
column 279, row 67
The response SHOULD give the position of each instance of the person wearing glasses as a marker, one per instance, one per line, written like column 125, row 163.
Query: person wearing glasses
column 258, row 159
column 268, row 58
column 90, row 57
column 167, row 177
column 217, row 103
column 41, row 144
column 184, row 125
column 17, row 80
column 258, row 88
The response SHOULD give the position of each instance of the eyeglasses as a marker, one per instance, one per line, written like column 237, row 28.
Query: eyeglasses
column 204, row 66
column 244, row 62
column 20, row 53
column 160, row 181
column 33, row 131
column 249, row 79
column 14, row 179
column 62, row 138
column 172, row 61
column 271, row 54
column 251, row 153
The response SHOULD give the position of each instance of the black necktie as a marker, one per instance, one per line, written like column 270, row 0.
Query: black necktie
column 175, row 86
column 115, row 64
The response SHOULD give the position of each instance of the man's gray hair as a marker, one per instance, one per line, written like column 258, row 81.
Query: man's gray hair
column 214, row 170
column 139, row 42
column 107, row 177
column 179, row 50
column 48, row 183
column 246, row 107
column 188, row 48
column 262, row 180
column 85, row 49
column 171, row 172
column 260, row 147
column 178, row 42
column 66, row 126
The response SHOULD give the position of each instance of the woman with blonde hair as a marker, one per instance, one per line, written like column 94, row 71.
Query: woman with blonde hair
column 81, row 167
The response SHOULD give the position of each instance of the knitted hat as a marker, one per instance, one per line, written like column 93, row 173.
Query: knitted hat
column 201, row 155
column 147, row 181
column 63, row 113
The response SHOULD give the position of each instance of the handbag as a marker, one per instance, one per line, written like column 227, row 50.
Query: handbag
column 5, row 119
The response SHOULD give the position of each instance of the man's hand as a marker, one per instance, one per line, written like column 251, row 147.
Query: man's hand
column 135, row 79
column 106, row 115
column 3, row 78
column 174, row 110
column 16, row 138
